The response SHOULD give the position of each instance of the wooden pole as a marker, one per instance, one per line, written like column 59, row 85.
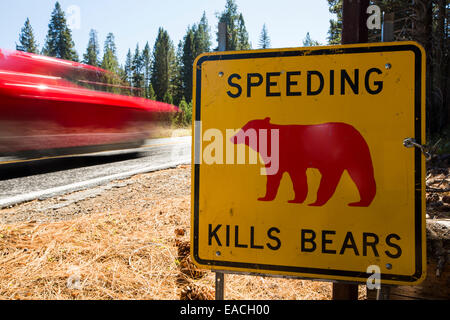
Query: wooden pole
column 383, row 293
column 387, row 34
column 354, row 30
column 354, row 21
column 344, row 291
column 222, row 36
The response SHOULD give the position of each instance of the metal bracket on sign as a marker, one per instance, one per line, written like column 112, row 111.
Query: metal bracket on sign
column 411, row 143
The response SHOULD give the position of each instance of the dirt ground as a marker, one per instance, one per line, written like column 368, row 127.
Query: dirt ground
column 129, row 241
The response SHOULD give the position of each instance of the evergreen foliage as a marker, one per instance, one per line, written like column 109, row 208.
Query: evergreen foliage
column 146, row 69
column 26, row 39
column 335, row 30
column 237, row 35
column 92, row 50
column 167, row 98
column 187, row 63
column 184, row 117
column 59, row 41
column 109, row 61
column 196, row 41
column 159, row 74
column 427, row 23
column 128, row 73
column 202, row 37
column 177, row 79
column 264, row 40
column 137, row 68
column 242, row 34
column 163, row 63
column 308, row 42
column 150, row 92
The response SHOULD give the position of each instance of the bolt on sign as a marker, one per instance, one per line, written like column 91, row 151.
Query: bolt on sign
column 299, row 166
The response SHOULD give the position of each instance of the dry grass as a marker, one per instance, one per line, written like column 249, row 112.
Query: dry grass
column 126, row 247
column 169, row 131
column 117, row 255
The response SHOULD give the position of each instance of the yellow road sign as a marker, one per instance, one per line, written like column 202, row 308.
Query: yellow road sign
column 299, row 167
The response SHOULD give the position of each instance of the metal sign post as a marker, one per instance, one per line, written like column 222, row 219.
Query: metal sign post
column 220, row 276
column 220, row 285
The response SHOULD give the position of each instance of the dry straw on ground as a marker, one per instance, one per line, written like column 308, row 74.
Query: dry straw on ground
column 104, row 256
column 124, row 247
column 162, row 131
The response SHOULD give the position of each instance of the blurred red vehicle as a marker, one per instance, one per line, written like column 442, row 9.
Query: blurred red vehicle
column 50, row 106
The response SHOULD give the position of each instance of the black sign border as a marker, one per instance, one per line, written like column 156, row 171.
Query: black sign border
column 417, row 158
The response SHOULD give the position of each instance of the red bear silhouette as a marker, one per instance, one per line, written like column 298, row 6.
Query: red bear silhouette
column 329, row 147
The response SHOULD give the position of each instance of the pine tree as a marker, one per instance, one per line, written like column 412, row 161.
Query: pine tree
column 146, row 61
column 92, row 51
column 237, row 35
column 242, row 34
column 264, row 40
column 202, row 37
column 109, row 61
column 26, row 39
column 335, row 30
column 59, row 41
column 137, row 71
column 230, row 17
column 308, row 42
column 162, row 65
column 196, row 41
column 177, row 77
column 187, row 61
column 128, row 73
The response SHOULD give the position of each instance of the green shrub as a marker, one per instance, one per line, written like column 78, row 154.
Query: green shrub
column 184, row 117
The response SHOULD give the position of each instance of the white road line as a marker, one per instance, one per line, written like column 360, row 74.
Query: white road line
column 85, row 184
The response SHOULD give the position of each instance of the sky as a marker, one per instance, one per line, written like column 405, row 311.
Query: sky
column 137, row 21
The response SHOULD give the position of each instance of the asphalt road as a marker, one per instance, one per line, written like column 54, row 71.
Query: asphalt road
column 38, row 179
